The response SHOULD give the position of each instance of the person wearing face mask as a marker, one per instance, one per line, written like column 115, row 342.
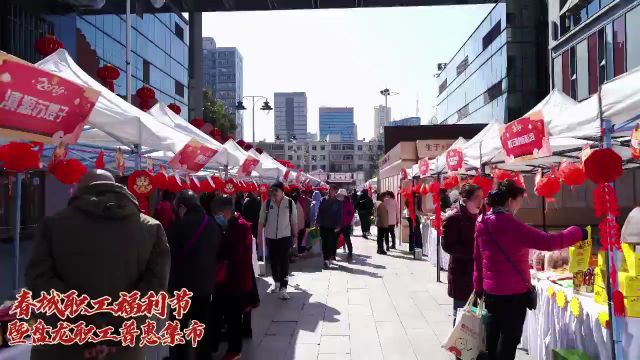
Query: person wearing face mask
column 458, row 229
column 194, row 240
column 236, row 291
column 501, row 271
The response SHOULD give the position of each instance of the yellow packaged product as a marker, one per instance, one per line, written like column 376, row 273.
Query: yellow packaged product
column 580, row 254
column 599, row 276
column 632, row 257
column 600, row 295
column 629, row 284
column 632, row 306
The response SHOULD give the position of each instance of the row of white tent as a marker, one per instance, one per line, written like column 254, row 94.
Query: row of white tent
column 571, row 125
column 157, row 134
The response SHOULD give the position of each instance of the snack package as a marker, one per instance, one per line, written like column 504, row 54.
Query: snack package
column 580, row 254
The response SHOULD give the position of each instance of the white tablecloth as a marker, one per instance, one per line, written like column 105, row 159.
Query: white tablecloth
column 550, row 327
column 430, row 241
column 19, row 352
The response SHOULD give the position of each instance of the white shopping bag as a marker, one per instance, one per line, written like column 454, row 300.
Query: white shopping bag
column 466, row 340
column 356, row 220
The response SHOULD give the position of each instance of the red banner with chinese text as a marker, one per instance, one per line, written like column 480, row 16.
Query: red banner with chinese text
column 455, row 160
column 423, row 167
column 192, row 157
column 525, row 138
column 247, row 166
column 40, row 106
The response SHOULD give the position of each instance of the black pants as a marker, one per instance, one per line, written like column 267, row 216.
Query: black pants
column 227, row 309
column 200, row 311
column 346, row 232
column 329, row 242
column 365, row 221
column 380, row 239
column 504, row 324
column 415, row 237
column 390, row 231
column 279, row 256
column 301, row 248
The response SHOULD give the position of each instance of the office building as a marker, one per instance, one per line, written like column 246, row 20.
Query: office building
column 228, row 83
column 290, row 116
column 408, row 121
column 501, row 71
column 592, row 42
column 381, row 116
column 209, row 64
column 337, row 121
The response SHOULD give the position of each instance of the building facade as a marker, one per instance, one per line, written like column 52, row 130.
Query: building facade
column 500, row 72
column 381, row 117
column 592, row 42
column 337, row 121
column 209, row 64
column 290, row 116
column 408, row 121
column 228, row 86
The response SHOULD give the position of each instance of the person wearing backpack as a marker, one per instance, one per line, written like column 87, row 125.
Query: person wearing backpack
column 279, row 225
column 329, row 219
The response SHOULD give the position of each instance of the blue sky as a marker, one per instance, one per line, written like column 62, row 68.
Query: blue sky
column 345, row 57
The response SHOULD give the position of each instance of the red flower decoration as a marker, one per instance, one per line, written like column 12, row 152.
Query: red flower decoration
column 68, row 171
column 603, row 166
column 175, row 108
column 47, row 45
column 108, row 73
column 572, row 174
column 19, row 157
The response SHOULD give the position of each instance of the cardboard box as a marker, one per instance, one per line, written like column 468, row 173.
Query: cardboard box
column 632, row 258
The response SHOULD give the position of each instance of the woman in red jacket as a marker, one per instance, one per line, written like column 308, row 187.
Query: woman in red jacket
column 502, row 266
column 458, row 230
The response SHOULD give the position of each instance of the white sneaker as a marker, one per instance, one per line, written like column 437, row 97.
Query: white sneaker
column 275, row 289
column 284, row 295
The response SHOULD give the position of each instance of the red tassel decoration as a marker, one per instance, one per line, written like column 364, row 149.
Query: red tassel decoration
column 100, row 160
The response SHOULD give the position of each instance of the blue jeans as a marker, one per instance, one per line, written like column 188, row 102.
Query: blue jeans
column 457, row 304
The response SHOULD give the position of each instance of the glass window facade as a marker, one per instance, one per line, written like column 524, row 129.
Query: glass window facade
column 633, row 38
column 337, row 121
column 159, row 57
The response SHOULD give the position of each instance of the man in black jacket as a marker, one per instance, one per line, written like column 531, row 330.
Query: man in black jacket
column 251, row 211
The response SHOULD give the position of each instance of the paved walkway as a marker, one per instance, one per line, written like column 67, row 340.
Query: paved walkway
column 377, row 307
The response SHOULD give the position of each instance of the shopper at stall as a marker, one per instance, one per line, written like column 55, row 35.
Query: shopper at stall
column 98, row 224
column 347, row 218
column 316, row 198
column 382, row 222
column 251, row 211
column 502, row 266
column 458, row 230
column 393, row 215
column 165, row 213
column 194, row 240
column 279, row 220
column 365, row 212
column 299, row 200
column 329, row 219
column 236, row 292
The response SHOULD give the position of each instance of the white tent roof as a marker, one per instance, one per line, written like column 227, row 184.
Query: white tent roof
column 114, row 121
column 232, row 156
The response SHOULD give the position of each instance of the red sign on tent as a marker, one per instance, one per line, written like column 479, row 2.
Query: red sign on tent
column 525, row 138
column 455, row 160
column 423, row 167
column 40, row 106
column 247, row 166
column 192, row 157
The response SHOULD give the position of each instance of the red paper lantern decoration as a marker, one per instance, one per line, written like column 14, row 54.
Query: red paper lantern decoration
column 19, row 157
column 99, row 163
column 206, row 185
column 108, row 74
column 47, row 45
column 434, row 188
column 485, row 183
column 547, row 186
column 160, row 180
column 424, row 190
column 146, row 95
column 175, row 108
column 247, row 147
column 197, row 122
column 603, row 166
column 218, row 183
column 241, row 143
column 68, row 171
column 259, row 150
column 571, row 174
column 175, row 184
column 501, row 175
column 450, row 182
column 140, row 184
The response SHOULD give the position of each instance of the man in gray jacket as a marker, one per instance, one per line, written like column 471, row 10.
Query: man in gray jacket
column 329, row 219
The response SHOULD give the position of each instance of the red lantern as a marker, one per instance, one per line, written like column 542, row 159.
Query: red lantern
column 434, row 188
column 547, row 186
column 140, row 184
column 603, row 166
column 175, row 108
column 206, row 185
column 174, row 184
column 259, row 150
column 485, row 183
column 160, row 180
column 241, row 143
column 450, row 182
column 197, row 122
column 501, row 175
column 47, row 45
column 571, row 174
column 19, row 157
column 146, row 95
column 108, row 74
column 424, row 190
column 247, row 147
column 68, row 171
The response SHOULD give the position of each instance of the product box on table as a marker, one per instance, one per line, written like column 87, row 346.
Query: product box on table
column 632, row 306
column 629, row 284
column 632, row 257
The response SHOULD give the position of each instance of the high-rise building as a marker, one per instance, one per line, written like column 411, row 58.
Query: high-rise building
column 290, row 116
column 408, row 121
column 500, row 72
column 209, row 64
column 337, row 121
column 228, row 83
column 381, row 116
column 592, row 42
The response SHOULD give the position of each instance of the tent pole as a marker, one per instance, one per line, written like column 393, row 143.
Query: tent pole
column 17, row 204
column 544, row 214
column 128, row 49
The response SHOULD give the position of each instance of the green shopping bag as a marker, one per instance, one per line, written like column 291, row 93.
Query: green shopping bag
column 313, row 237
column 569, row 354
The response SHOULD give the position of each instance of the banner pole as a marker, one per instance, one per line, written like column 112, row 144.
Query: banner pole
column 17, row 204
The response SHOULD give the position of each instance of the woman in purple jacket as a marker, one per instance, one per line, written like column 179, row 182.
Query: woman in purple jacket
column 502, row 266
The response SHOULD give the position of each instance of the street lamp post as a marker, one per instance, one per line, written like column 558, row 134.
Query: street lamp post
column 254, row 99
column 386, row 93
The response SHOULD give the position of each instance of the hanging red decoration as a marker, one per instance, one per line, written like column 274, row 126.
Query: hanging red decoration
column 434, row 188
column 485, row 183
column 160, row 180
column 416, row 188
column 146, row 95
column 218, row 182
column 501, row 175
column 403, row 174
column 68, row 171
column 241, row 143
column 175, row 108
column 194, row 184
column 197, row 122
column 259, row 150
column 572, row 174
column 108, row 74
column 19, row 157
column 99, row 163
column 229, row 187
column 206, row 185
column 424, row 190
column 450, row 182
column 47, row 45
column 175, row 184
column 140, row 184
column 247, row 147
column 547, row 186
column 603, row 166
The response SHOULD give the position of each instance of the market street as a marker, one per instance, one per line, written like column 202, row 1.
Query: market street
column 378, row 307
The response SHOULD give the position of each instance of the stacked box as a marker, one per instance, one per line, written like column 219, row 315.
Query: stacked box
column 631, row 257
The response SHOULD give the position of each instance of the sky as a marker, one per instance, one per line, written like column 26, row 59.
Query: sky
column 343, row 58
